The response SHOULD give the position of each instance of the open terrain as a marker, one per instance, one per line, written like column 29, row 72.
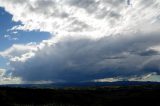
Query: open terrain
column 136, row 95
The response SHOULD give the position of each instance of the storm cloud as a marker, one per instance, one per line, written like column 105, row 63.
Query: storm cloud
column 73, row 58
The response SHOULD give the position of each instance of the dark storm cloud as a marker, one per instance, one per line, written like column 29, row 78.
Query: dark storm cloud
column 81, row 59
column 149, row 53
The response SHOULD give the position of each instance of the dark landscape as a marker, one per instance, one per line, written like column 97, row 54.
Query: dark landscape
column 96, row 94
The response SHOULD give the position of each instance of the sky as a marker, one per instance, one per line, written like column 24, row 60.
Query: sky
column 43, row 41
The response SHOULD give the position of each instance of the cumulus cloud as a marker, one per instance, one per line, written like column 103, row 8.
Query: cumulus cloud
column 93, row 39
column 8, row 79
column 18, row 49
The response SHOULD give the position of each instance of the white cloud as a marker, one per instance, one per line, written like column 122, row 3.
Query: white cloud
column 18, row 50
column 9, row 37
column 93, row 17
column 6, row 36
column 8, row 79
column 2, row 72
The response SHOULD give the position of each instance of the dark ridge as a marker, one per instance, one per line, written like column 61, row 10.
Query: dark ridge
column 82, row 84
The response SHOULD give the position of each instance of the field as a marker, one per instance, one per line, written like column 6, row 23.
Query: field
column 147, row 95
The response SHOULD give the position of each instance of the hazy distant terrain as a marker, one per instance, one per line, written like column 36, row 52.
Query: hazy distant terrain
column 136, row 95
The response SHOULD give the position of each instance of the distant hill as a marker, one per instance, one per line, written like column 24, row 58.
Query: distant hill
column 82, row 84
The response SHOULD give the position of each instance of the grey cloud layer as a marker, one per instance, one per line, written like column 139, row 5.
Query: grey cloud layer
column 80, row 59
column 95, row 39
